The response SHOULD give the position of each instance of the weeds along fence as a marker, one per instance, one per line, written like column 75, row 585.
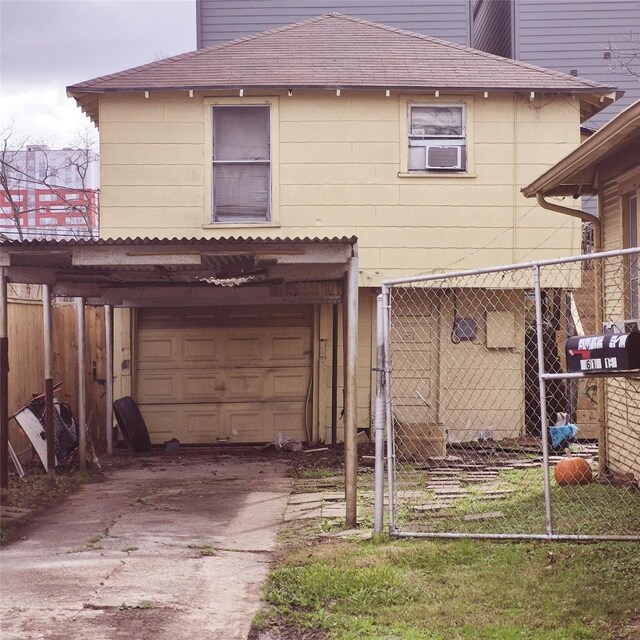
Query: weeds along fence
column 495, row 425
column 26, row 365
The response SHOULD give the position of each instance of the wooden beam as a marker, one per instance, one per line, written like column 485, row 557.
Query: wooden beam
column 48, row 381
column 31, row 275
column 350, row 345
column 108, row 348
column 125, row 256
column 82, row 383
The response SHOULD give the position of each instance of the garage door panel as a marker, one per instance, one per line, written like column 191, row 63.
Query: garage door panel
column 291, row 421
column 158, row 386
column 158, row 349
column 202, row 423
column 243, row 349
column 200, row 349
column 289, row 348
column 246, row 423
column 288, row 384
column 259, row 422
column 244, row 384
column 163, row 422
column 203, row 386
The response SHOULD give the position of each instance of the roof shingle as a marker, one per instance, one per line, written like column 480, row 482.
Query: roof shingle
column 336, row 51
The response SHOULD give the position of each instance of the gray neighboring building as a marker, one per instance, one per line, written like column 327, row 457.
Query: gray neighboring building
column 572, row 36
column 222, row 20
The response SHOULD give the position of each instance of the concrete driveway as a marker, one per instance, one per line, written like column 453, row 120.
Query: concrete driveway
column 176, row 549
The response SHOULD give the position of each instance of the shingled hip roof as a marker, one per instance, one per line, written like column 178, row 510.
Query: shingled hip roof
column 336, row 51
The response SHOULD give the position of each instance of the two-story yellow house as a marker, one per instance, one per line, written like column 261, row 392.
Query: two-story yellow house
column 327, row 128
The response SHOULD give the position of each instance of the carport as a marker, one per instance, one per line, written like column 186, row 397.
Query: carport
column 178, row 273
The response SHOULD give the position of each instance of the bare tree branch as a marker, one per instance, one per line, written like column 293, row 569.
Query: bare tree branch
column 68, row 179
column 625, row 59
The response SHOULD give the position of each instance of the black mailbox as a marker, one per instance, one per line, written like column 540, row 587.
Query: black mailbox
column 602, row 354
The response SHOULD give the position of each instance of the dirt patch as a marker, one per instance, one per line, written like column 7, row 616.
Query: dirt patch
column 285, row 633
column 36, row 492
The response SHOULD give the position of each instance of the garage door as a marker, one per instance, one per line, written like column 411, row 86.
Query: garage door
column 210, row 375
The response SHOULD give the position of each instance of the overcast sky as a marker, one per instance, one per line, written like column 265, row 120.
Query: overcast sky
column 46, row 45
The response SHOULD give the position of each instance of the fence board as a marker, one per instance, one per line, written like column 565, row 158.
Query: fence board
column 26, row 366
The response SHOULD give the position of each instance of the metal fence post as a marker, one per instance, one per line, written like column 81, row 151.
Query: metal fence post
column 379, row 421
column 543, row 401
column 388, row 409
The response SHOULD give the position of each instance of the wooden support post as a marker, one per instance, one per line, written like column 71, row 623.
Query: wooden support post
column 4, row 392
column 334, row 376
column 82, row 384
column 108, row 347
column 48, row 382
column 350, row 345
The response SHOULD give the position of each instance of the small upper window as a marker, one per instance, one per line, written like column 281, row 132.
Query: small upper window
column 437, row 138
column 241, row 164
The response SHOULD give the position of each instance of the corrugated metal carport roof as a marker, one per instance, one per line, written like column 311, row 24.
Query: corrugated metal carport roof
column 183, row 271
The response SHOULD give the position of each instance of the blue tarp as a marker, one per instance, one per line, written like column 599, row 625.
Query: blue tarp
column 564, row 433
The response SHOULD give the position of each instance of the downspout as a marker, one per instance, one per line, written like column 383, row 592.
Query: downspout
column 575, row 213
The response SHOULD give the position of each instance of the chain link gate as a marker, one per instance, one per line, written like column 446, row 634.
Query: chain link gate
column 482, row 416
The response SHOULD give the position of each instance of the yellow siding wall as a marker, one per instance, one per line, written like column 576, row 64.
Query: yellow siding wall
column 622, row 396
column 336, row 166
column 366, row 350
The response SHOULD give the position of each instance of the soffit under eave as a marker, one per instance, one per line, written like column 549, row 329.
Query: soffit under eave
column 592, row 103
column 88, row 103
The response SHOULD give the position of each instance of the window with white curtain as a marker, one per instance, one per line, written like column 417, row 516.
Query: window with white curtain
column 241, row 164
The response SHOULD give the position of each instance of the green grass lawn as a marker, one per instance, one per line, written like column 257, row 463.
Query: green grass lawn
column 457, row 589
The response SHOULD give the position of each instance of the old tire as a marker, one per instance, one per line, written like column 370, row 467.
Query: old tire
column 132, row 425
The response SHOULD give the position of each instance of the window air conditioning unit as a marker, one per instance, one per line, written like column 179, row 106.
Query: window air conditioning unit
column 445, row 156
column 620, row 326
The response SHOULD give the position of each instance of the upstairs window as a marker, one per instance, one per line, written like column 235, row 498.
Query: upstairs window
column 437, row 138
column 241, row 164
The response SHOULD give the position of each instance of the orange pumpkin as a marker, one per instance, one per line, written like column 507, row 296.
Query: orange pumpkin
column 573, row 470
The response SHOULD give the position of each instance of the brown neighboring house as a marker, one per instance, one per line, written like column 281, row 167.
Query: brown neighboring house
column 608, row 165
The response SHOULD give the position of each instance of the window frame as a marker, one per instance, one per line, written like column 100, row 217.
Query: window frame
column 466, row 103
column 208, row 221
column 215, row 216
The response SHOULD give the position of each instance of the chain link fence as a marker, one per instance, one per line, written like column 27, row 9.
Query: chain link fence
column 499, row 422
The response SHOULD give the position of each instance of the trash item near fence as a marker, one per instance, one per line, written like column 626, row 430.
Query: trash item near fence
column 31, row 419
column 172, row 446
column 284, row 442
column 132, row 425
column 419, row 441
column 563, row 432
column 572, row 470
column 484, row 436
column 16, row 462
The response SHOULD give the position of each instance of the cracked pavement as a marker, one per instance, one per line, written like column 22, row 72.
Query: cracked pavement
column 177, row 549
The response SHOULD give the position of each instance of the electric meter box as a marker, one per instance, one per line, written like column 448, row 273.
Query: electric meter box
column 603, row 354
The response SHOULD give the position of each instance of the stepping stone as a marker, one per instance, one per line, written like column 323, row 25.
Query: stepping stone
column 318, row 496
column 403, row 493
column 483, row 516
column 13, row 512
column 303, row 515
column 432, row 506
column 450, row 491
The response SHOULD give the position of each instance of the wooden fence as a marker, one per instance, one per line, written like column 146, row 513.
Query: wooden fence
column 26, row 365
